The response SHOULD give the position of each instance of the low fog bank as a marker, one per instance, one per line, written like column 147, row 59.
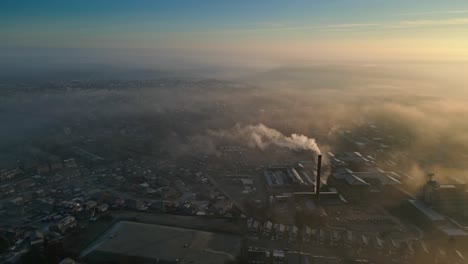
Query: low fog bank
column 176, row 115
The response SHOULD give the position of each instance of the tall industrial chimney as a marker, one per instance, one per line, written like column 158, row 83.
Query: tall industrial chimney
column 319, row 167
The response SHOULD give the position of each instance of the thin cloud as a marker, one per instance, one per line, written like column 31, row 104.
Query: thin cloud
column 435, row 13
column 431, row 23
column 278, row 27
column 264, row 24
column 355, row 25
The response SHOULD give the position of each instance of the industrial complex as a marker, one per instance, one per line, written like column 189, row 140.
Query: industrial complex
column 280, row 202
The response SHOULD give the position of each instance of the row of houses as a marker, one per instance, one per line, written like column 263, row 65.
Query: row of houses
column 419, row 253
column 257, row 255
column 9, row 174
column 269, row 230
column 364, row 243
column 306, row 234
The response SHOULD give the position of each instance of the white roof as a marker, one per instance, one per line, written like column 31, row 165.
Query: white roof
column 352, row 179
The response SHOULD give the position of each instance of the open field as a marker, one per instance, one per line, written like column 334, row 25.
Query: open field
column 146, row 242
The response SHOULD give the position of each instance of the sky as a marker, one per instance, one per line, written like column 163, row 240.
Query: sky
column 254, row 32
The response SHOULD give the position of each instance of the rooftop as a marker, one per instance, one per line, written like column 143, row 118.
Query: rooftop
column 427, row 211
column 352, row 179
column 452, row 231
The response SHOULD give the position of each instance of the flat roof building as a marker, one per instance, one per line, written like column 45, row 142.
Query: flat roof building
column 438, row 222
column 289, row 178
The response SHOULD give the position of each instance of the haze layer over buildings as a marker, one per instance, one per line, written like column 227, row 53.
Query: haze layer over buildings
column 207, row 131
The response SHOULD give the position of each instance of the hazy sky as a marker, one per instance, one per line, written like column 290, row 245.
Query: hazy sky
column 242, row 30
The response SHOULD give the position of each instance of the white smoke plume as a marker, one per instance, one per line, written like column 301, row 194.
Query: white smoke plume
column 262, row 136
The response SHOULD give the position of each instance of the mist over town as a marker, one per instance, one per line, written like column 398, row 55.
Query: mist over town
column 234, row 133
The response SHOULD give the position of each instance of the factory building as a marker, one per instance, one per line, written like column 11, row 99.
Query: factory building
column 353, row 160
column 299, row 197
column 360, row 186
column 288, row 178
column 451, row 199
column 427, row 217
column 358, row 179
